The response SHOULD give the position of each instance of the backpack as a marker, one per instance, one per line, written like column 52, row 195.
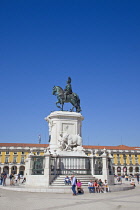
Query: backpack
column 76, row 181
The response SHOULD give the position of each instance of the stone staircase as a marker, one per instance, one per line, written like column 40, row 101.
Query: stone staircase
column 59, row 181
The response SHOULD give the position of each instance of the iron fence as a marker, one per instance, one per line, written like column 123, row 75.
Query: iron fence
column 70, row 165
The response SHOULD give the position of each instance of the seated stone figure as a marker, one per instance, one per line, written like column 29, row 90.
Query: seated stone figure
column 67, row 181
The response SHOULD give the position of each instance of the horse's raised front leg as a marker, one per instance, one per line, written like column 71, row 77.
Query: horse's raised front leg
column 57, row 105
column 61, row 108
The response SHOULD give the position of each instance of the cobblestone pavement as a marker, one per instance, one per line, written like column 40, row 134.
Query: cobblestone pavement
column 12, row 200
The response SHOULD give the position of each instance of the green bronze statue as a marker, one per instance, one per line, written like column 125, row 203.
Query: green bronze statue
column 67, row 96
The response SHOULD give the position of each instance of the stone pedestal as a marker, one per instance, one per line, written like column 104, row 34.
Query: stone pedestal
column 61, row 124
column 106, row 176
column 38, row 180
column 92, row 157
column 65, row 154
column 105, row 167
column 28, row 166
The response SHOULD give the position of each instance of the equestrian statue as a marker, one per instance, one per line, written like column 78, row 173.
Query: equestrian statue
column 67, row 96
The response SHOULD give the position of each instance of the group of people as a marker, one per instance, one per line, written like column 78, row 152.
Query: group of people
column 98, row 186
column 129, row 178
column 14, row 178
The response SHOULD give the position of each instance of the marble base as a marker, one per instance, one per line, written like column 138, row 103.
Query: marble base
column 62, row 123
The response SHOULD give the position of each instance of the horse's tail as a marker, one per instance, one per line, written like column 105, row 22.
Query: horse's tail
column 78, row 108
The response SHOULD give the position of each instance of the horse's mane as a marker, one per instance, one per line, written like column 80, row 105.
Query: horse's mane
column 60, row 88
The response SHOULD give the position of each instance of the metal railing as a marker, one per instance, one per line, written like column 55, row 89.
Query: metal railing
column 70, row 165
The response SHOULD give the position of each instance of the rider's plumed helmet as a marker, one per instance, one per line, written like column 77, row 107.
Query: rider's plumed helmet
column 69, row 80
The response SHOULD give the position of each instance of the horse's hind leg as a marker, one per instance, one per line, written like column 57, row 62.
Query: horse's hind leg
column 62, row 106
column 71, row 110
column 73, row 104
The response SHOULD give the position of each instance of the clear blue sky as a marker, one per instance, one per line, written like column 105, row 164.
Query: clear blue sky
column 97, row 43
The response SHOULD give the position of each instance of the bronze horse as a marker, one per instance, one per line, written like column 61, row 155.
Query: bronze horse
column 72, row 98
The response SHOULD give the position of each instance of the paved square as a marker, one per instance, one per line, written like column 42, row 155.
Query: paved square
column 12, row 200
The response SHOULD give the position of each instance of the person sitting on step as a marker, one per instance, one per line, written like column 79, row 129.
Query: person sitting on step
column 67, row 181
column 106, row 187
column 96, row 186
column 132, row 182
column 79, row 187
column 91, row 187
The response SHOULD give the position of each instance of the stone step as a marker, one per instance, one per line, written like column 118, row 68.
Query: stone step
column 59, row 181
column 64, row 183
column 84, row 180
column 79, row 177
column 76, row 175
column 62, row 180
column 60, row 184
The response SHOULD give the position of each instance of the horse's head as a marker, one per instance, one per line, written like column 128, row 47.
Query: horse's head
column 54, row 90
column 57, row 90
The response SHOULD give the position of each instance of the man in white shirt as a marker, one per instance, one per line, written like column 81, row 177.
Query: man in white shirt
column 73, row 183
column 90, row 186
